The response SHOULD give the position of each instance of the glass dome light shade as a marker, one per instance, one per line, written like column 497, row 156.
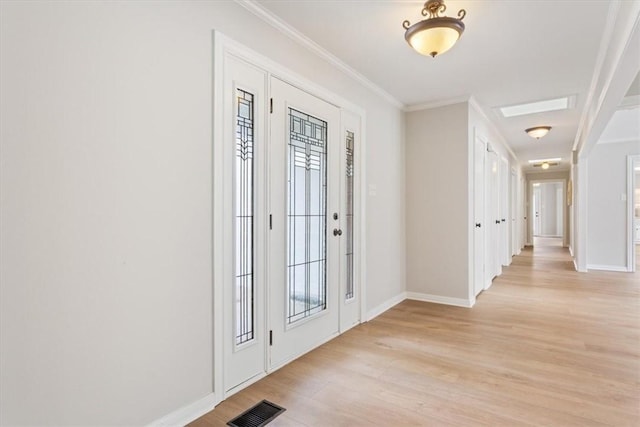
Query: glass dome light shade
column 434, row 36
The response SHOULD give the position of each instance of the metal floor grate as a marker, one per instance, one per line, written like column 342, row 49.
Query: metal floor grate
column 259, row 415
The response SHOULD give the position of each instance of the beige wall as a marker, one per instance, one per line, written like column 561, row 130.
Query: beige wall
column 106, row 170
column 438, row 201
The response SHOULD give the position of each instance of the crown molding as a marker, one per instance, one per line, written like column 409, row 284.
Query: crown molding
column 286, row 29
column 436, row 104
column 491, row 124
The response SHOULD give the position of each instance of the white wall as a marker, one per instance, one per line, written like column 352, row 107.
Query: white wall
column 606, row 207
column 106, row 283
column 438, row 201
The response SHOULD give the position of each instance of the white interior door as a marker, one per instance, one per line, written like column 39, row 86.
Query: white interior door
column 479, row 220
column 492, row 218
column 305, row 238
column 505, row 253
column 537, row 210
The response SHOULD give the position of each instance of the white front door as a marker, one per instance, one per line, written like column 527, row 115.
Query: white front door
column 305, row 235
column 479, row 221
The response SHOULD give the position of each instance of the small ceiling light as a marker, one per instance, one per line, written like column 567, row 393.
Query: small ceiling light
column 436, row 34
column 538, row 131
column 545, row 165
column 553, row 160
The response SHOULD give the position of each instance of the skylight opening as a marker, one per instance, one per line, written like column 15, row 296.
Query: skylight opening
column 556, row 104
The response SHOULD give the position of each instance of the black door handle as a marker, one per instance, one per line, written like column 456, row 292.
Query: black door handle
column 497, row 221
column 337, row 232
column 478, row 225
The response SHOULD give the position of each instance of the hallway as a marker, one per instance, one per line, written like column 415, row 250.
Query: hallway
column 545, row 345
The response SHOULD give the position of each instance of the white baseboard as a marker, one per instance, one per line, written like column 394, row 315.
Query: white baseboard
column 375, row 312
column 623, row 269
column 571, row 251
column 187, row 414
column 458, row 302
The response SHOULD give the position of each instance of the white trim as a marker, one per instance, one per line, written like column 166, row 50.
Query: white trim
column 631, row 185
column 436, row 104
column 375, row 312
column 295, row 35
column 217, row 211
column 438, row 299
column 188, row 413
column 491, row 124
column 607, row 267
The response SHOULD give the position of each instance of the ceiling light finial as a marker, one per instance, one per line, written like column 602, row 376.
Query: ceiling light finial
column 436, row 34
column 538, row 131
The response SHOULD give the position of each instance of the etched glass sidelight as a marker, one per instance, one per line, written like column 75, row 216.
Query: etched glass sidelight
column 244, row 224
column 306, row 216
column 349, row 214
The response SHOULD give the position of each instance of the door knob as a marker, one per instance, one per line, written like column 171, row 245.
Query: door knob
column 497, row 221
column 478, row 225
column 337, row 232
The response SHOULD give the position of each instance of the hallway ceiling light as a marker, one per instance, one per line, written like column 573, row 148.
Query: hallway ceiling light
column 436, row 34
column 538, row 131
column 545, row 165
column 555, row 159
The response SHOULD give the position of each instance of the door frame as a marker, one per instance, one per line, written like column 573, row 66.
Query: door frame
column 565, row 213
column 224, row 46
column 632, row 160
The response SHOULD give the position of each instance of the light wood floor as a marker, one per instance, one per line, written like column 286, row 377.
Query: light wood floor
column 544, row 346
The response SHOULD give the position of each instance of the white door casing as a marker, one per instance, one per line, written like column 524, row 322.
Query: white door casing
column 479, row 216
column 236, row 67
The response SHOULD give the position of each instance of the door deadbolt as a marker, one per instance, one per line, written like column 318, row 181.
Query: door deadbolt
column 335, row 215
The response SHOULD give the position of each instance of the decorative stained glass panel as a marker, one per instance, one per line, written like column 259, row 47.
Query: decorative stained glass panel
column 244, row 231
column 349, row 213
column 306, row 216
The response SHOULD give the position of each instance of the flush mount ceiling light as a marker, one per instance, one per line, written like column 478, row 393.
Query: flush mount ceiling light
column 538, row 131
column 436, row 34
column 553, row 160
column 545, row 165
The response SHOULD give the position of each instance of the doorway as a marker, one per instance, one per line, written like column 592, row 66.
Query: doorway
column 548, row 213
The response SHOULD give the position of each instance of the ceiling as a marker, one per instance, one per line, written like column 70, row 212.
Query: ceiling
column 511, row 52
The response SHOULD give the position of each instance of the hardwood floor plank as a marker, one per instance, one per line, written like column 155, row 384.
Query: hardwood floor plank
column 545, row 345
